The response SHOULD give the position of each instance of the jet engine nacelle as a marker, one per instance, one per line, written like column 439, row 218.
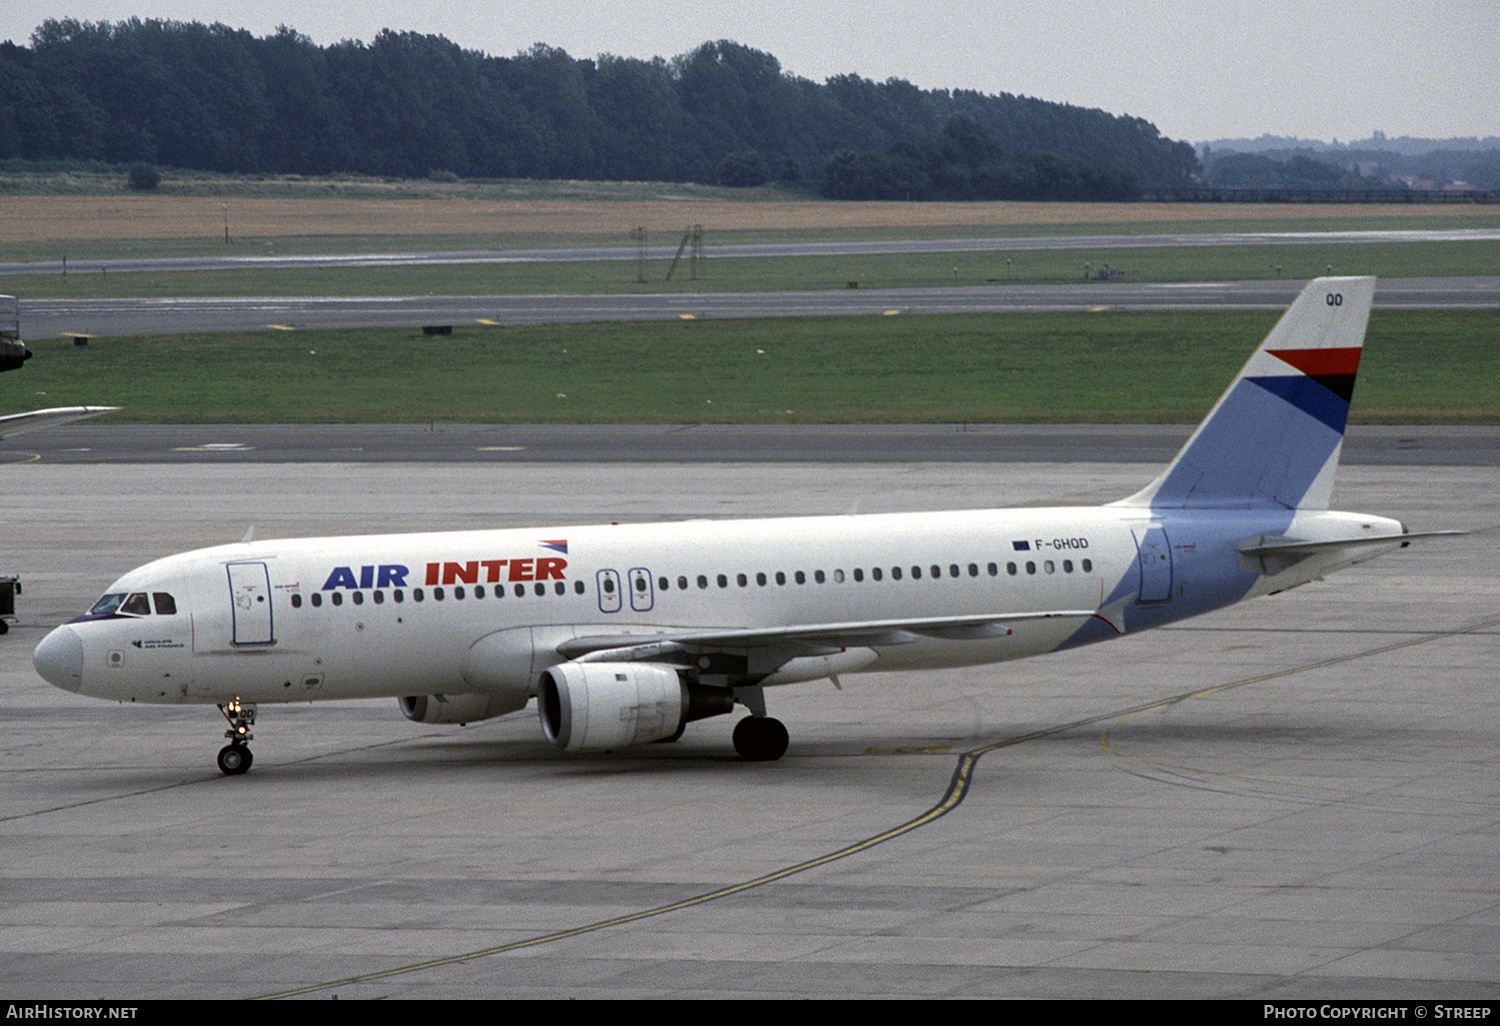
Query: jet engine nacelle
column 469, row 708
column 13, row 353
column 585, row 706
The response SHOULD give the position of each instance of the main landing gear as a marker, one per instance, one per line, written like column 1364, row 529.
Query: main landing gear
column 758, row 737
column 235, row 757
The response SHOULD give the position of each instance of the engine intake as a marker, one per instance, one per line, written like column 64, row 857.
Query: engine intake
column 592, row 706
column 13, row 353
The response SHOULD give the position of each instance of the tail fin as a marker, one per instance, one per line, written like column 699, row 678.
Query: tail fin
column 1273, row 439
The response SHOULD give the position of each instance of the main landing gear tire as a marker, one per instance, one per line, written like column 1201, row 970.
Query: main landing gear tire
column 760, row 739
column 235, row 759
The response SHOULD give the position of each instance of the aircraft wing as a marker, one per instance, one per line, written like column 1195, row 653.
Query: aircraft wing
column 862, row 633
column 20, row 423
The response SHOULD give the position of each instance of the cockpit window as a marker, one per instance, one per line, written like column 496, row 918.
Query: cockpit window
column 106, row 605
column 135, row 603
column 166, row 605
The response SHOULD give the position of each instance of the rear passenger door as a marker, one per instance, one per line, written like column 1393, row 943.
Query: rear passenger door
column 1154, row 552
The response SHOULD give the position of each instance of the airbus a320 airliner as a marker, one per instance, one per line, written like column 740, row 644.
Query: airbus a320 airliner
column 625, row 634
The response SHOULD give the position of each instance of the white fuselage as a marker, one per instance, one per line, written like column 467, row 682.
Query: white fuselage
column 626, row 634
column 488, row 611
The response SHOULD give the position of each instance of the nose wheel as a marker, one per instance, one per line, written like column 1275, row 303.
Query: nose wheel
column 235, row 757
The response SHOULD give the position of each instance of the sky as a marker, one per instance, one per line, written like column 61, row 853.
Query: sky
column 1210, row 69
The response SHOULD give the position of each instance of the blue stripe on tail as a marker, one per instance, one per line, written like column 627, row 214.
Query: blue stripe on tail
column 1309, row 396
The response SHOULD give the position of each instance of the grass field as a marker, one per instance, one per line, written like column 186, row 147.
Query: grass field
column 576, row 211
column 301, row 217
column 1419, row 367
column 1439, row 366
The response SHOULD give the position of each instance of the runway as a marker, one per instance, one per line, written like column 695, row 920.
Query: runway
column 1292, row 799
column 840, row 247
column 698, row 444
column 47, row 318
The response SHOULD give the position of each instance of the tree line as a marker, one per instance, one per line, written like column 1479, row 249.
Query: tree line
column 1352, row 169
column 1298, row 171
column 214, row 98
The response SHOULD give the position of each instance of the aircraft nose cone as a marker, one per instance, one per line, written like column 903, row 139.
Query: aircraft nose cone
column 59, row 659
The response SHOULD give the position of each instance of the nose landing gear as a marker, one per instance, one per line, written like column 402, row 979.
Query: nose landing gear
column 235, row 757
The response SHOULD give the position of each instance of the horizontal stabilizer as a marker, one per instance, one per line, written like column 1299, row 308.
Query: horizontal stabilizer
column 1271, row 556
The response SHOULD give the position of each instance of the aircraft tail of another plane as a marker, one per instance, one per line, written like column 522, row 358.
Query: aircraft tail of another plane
column 1273, row 439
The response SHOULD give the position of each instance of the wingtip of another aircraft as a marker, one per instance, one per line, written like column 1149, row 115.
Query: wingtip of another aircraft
column 32, row 420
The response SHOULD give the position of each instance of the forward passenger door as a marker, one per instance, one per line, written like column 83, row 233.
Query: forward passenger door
column 250, row 603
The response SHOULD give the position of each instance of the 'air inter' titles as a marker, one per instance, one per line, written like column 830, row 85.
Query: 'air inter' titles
column 492, row 571
column 473, row 571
